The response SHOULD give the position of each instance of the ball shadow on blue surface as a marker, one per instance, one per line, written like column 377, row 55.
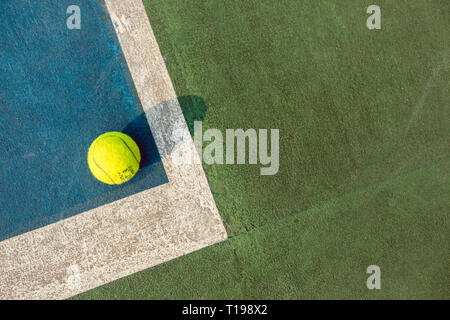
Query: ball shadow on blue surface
column 139, row 131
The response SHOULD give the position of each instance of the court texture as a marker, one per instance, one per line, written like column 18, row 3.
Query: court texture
column 363, row 119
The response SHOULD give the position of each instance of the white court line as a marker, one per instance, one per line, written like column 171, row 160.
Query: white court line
column 131, row 234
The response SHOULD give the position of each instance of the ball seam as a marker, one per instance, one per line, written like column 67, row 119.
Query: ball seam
column 98, row 166
column 134, row 156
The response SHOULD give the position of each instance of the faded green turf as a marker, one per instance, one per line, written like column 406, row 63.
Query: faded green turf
column 400, row 225
column 360, row 106
column 364, row 125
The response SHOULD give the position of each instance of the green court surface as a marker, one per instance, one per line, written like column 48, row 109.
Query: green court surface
column 321, row 253
column 364, row 127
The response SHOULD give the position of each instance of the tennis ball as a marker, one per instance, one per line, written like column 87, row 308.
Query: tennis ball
column 114, row 158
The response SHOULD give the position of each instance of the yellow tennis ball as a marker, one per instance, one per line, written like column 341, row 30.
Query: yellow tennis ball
column 114, row 158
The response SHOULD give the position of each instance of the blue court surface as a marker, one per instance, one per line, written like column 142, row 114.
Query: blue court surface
column 59, row 90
